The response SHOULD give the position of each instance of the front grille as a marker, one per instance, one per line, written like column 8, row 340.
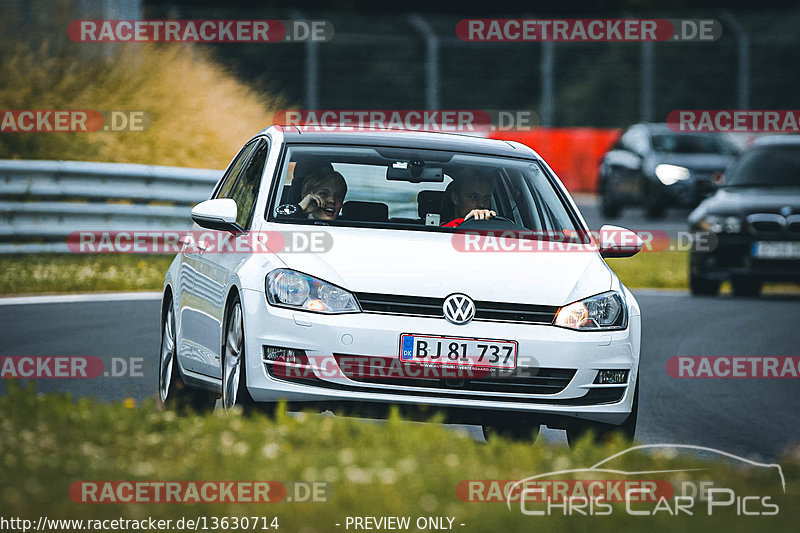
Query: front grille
column 766, row 226
column 535, row 380
column 774, row 226
column 394, row 304
column 595, row 396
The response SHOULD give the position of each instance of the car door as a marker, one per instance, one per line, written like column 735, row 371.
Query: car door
column 196, row 292
column 215, row 269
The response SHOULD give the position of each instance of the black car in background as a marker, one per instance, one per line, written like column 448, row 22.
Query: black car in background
column 654, row 167
column 754, row 219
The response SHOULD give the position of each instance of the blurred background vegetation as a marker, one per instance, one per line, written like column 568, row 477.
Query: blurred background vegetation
column 200, row 113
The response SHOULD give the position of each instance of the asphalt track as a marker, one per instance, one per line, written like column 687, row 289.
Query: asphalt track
column 751, row 417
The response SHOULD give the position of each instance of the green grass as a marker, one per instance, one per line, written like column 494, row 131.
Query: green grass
column 68, row 273
column 395, row 468
column 653, row 270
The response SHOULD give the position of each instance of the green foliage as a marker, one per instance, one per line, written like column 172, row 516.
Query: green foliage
column 395, row 468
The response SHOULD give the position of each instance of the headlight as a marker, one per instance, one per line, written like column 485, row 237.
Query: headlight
column 721, row 224
column 669, row 174
column 604, row 311
column 287, row 288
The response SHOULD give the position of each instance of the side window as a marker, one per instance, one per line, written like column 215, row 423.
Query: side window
column 245, row 190
column 228, row 181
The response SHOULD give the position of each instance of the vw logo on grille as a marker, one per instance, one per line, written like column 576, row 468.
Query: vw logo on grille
column 459, row 308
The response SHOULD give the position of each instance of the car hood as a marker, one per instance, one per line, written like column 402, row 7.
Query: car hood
column 747, row 200
column 695, row 162
column 417, row 263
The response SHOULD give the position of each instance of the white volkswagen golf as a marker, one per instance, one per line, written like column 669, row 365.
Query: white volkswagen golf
column 354, row 270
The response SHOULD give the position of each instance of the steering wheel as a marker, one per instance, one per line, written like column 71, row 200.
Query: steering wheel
column 495, row 222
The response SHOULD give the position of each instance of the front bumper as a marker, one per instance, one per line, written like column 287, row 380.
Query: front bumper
column 377, row 335
column 732, row 257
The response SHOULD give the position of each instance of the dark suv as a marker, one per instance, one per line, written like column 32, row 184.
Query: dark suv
column 755, row 221
column 654, row 167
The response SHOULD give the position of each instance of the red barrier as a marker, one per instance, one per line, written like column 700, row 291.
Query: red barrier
column 574, row 153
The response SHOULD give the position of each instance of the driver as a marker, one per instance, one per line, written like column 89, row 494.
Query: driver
column 471, row 195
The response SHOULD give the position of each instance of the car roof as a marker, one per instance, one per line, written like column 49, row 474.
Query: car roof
column 777, row 140
column 397, row 138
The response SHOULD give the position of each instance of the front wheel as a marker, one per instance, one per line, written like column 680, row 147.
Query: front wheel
column 608, row 207
column 746, row 287
column 700, row 286
column 173, row 393
column 234, row 368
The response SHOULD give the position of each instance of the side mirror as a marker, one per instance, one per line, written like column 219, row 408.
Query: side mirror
column 618, row 242
column 218, row 214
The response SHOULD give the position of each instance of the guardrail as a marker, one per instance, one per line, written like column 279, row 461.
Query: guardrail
column 41, row 202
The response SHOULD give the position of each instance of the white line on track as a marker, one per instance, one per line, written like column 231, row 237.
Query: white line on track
column 75, row 298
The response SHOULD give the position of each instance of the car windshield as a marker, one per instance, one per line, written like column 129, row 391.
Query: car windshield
column 687, row 143
column 426, row 190
column 773, row 166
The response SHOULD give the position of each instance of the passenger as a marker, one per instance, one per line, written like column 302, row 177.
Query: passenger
column 471, row 195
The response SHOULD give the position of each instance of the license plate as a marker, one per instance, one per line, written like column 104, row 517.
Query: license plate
column 776, row 250
column 459, row 351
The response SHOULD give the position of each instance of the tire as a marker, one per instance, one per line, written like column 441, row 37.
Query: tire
column 700, row 286
column 654, row 209
column 608, row 208
column 746, row 287
column 520, row 432
column 173, row 394
column 604, row 432
column 234, row 368
column 654, row 206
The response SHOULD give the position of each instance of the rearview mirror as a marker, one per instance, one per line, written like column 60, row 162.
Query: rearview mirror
column 218, row 214
column 618, row 242
column 414, row 171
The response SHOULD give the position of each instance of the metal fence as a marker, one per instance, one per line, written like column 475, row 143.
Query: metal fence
column 42, row 202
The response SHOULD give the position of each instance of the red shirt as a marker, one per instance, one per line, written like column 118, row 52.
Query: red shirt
column 453, row 223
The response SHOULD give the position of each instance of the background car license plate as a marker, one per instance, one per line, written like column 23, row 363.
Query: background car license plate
column 776, row 250
column 458, row 351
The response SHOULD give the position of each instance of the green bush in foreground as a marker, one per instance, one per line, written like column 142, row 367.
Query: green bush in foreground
column 396, row 468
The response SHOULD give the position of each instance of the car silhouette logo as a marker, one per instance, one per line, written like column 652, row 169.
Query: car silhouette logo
column 459, row 308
